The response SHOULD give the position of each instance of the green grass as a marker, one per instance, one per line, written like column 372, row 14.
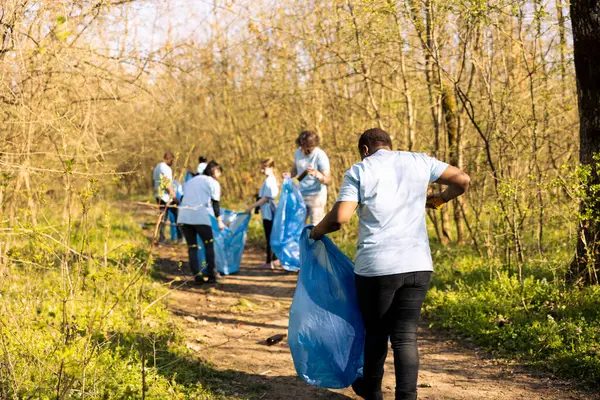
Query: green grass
column 90, row 322
column 540, row 320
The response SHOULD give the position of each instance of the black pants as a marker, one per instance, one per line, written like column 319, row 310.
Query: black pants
column 205, row 232
column 268, row 226
column 391, row 307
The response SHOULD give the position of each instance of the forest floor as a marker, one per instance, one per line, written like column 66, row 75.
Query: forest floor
column 227, row 325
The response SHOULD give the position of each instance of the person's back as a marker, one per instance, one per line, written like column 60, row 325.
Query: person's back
column 195, row 208
column 201, row 200
column 393, row 262
column 392, row 188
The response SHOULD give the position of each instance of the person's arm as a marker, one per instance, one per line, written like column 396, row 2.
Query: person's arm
column 458, row 183
column 322, row 176
column 321, row 171
column 260, row 202
column 293, row 172
column 340, row 214
column 216, row 198
column 217, row 209
column 172, row 195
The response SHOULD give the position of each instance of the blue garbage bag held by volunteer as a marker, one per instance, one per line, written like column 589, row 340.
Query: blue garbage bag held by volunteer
column 326, row 331
column 287, row 226
column 228, row 243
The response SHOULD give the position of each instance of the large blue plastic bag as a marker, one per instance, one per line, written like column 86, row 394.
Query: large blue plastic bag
column 287, row 226
column 228, row 243
column 326, row 332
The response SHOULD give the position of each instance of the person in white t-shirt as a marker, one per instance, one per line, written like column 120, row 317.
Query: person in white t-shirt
column 393, row 263
column 201, row 165
column 266, row 201
column 311, row 168
column 162, row 177
column 201, row 200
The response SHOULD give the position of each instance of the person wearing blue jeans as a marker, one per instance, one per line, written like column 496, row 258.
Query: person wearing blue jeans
column 393, row 265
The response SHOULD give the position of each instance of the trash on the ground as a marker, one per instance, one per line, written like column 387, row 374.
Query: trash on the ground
column 275, row 339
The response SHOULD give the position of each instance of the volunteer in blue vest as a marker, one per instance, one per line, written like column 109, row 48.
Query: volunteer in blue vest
column 201, row 197
column 266, row 201
column 162, row 176
column 311, row 168
column 393, row 263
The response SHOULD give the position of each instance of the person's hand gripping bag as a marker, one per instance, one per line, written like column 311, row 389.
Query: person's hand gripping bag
column 326, row 334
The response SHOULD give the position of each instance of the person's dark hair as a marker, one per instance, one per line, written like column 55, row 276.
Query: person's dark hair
column 168, row 154
column 308, row 139
column 374, row 138
column 201, row 159
column 211, row 167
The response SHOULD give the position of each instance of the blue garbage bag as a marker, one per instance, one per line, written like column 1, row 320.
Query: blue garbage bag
column 287, row 226
column 326, row 331
column 228, row 243
column 188, row 176
column 178, row 189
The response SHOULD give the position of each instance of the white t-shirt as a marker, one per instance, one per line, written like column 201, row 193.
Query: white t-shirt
column 198, row 194
column 391, row 189
column 268, row 189
column 162, row 177
column 201, row 168
column 319, row 161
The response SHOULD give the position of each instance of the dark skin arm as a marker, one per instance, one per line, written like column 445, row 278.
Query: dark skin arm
column 458, row 183
column 340, row 214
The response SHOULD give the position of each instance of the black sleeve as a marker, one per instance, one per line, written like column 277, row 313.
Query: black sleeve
column 216, row 208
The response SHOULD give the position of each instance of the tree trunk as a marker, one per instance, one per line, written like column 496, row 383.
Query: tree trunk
column 585, row 19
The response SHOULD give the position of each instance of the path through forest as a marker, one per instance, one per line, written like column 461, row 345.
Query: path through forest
column 228, row 323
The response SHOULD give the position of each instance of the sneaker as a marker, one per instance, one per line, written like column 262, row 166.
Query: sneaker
column 216, row 278
column 267, row 266
column 359, row 388
column 198, row 280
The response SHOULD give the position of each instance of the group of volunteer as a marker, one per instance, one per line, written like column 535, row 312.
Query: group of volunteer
column 389, row 191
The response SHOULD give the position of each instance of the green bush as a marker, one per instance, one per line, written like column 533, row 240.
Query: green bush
column 538, row 320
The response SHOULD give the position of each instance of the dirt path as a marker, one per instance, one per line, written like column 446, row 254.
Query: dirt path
column 227, row 325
